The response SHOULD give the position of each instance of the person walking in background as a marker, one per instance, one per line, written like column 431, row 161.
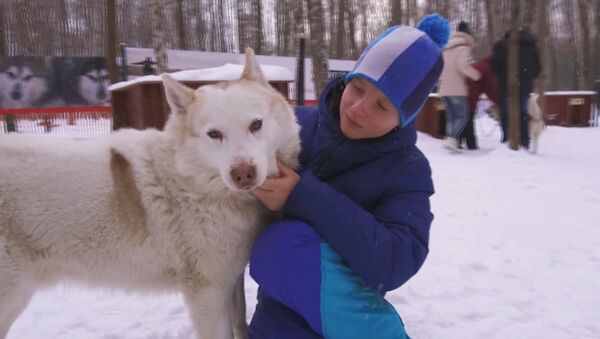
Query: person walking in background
column 529, row 69
column 486, row 84
column 453, row 85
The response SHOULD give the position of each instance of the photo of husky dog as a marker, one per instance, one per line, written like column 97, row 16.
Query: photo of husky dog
column 83, row 81
column 536, row 121
column 149, row 210
column 24, row 82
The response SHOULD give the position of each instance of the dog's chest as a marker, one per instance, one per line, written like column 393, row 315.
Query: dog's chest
column 208, row 226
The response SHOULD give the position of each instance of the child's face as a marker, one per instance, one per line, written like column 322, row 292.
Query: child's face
column 365, row 112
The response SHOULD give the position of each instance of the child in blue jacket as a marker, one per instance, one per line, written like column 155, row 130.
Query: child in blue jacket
column 357, row 214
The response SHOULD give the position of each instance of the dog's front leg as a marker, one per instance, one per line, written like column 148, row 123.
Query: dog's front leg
column 209, row 308
column 238, row 309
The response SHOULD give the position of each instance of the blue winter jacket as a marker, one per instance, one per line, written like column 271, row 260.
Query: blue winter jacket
column 368, row 199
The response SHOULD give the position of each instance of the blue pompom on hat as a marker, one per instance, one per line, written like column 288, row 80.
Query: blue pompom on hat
column 405, row 63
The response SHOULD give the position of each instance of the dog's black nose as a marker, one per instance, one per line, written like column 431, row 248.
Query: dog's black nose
column 243, row 175
column 16, row 95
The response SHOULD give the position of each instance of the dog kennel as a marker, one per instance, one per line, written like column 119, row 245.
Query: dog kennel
column 141, row 103
column 432, row 119
column 569, row 108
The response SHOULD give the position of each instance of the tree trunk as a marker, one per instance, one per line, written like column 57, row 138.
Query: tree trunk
column 597, row 53
column 396, row 17
column 542, row 34
column 569, row 15
column 352, row 30
column 2, row 31
column 412, row 11
column 180, row 23
column 23, row 34
column 529, row 15
column 158, row 37
column 586, row 69
column 341, row 29
column 513, row 82
column 317, row 45
column 492, row 30
column 259, row 28
column 242, row 26
column 364, row 29
column 111, row 42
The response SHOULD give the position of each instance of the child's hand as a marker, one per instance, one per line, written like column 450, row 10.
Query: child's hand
column 275, row 191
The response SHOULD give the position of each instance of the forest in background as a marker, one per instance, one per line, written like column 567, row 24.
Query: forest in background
column 568, row 31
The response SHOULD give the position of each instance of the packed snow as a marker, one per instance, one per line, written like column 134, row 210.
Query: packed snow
column 514, row 252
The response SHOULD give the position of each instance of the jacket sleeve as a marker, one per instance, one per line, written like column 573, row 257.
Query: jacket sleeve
column 386, row 247
column 462, row 60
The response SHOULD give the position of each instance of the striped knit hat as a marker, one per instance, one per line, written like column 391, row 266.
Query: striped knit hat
column 405, row 63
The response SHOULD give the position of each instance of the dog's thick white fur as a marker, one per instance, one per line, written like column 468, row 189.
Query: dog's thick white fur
column 536, row 121
column 149, row 209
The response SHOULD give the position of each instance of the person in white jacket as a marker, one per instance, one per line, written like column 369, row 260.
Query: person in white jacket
column 453, row 85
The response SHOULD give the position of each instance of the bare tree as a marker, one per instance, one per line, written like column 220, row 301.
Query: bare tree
column 492, row 27
column 111, row 41
column 2, row 31
column 158, row 36
column 350, row 13
column 597, row 32
column 586, row 53
column 411, row 12
column 513, row 75
column 317, row 45
column 569, row 16
column 396, row 17
column 180, row 23
column 342, row 45
column 542, row 33
column 259, row 40
column 529, row 15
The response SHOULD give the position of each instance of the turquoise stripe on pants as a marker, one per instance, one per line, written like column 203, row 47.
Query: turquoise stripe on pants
column 349, row 308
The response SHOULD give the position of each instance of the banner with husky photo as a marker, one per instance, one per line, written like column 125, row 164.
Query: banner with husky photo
column 53, row 82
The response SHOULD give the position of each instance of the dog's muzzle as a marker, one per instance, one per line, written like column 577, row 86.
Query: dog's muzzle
column 243, row 175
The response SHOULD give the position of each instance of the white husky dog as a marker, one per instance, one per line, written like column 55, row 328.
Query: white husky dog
column 149, row 209
column 536, row 121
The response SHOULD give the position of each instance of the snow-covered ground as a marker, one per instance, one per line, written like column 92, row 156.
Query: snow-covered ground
column 514, row 252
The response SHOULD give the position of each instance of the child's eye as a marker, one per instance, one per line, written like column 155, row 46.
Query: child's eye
column 381, row 106
column 357, row 88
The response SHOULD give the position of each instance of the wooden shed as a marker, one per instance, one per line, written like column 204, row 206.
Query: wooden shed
column 432, row 118
column 141, row 103
column 569, row 108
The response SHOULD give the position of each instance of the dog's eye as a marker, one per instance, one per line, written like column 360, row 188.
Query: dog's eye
column 27, row 77
column 11, row 75
column 214, row 134
column 255, row 126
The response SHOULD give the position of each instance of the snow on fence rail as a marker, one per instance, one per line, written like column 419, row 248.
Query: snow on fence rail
column 57, row 121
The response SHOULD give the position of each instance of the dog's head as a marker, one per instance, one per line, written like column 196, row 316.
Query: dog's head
column 235, row 130
column 23, row 82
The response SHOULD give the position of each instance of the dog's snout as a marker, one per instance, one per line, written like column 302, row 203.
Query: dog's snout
column 243, row 175
column 16, row 94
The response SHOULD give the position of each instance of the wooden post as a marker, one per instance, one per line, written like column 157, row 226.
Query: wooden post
column 514, row 114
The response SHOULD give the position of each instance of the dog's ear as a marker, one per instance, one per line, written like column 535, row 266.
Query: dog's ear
column 178, row 95
column 252, row 69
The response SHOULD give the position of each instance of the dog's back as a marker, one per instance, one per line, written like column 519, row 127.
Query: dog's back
column 63, row 200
